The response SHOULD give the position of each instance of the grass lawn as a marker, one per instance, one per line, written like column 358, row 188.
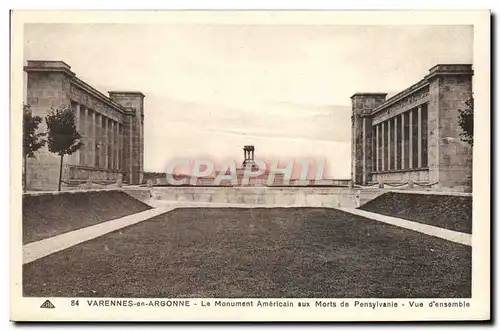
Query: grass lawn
column 280, row 252
column 45, row 216
column 445, row 211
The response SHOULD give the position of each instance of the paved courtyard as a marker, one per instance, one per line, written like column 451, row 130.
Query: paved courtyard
column 259, row 252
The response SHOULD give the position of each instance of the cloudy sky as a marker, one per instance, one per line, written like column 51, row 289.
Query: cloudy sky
column 210, row 89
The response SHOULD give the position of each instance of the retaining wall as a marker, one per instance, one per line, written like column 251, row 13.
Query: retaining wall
column 299, row 196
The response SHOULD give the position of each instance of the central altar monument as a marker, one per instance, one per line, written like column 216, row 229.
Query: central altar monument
column 249, row 161
column 257, row 173
column 249, row 164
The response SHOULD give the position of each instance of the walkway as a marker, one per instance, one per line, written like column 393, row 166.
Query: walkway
column 38, row 249
column 458, row 237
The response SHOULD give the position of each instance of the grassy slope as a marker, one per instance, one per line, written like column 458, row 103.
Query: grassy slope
column 296, row 252
column 445, row 211
column 45, row 216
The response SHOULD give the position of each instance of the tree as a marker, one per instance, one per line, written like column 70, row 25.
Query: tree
column 63, row 138
column 32, row 141
column 466, row 122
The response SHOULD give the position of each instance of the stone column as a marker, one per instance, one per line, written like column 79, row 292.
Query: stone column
column 89, row 151
column 410, row 139
column 373, row 154
column 395, row 143
column 85, row 134
column 383, row 146
column 364, row 151
column 96, row 146
column 94, row 138
column 98, row 142
column 389, row 137
column 402, row 141
column 377, row 152
column 117, row 145
column 419, row 139
column 131, row 164
column 110, row 143
column 113, row 146
column 111, row 134
column 367, row 150
column 79, row 129
column 102, row 142
column 120, row 147
column 102, row 139
column 106, row 142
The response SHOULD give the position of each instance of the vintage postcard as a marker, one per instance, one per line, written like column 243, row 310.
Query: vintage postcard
column 250, row 166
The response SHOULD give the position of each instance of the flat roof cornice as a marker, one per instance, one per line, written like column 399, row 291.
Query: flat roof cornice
column 127, row 93
column 375, row 94
column 438, row 69
column 401, row 95
column 61, row 66
column 95, row 93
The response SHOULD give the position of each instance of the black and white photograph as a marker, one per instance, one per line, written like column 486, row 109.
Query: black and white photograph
column 250, row 166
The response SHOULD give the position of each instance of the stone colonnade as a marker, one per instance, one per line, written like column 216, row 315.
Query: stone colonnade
column 400, row 142
column 102, row 138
